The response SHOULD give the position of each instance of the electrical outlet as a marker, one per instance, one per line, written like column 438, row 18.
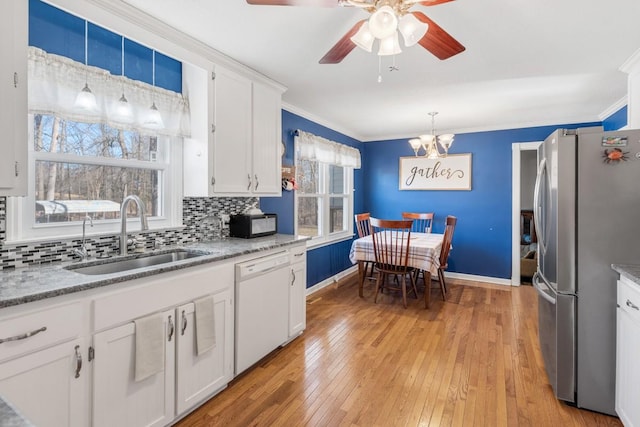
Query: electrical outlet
column 225, row 220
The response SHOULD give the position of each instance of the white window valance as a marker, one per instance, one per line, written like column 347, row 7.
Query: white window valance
column 54, row 83
column 313, row 147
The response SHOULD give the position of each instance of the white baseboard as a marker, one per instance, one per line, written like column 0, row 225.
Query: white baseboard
column 486, row 279
column 335, row 278
column 332, row 280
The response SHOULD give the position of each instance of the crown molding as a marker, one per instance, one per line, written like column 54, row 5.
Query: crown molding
column 321, row 121
column 632, row 64
column 614, row 108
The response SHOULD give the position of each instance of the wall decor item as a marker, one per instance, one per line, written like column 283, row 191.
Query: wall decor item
column 452, row 172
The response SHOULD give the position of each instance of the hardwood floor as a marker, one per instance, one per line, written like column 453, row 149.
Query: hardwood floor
column 470, row 361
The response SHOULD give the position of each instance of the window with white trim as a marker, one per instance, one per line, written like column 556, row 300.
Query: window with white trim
column 324, row 194
column 83, row 161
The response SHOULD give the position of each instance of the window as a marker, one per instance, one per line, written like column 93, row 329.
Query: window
column 88, row 169
column 83, row 161
column 324, row 198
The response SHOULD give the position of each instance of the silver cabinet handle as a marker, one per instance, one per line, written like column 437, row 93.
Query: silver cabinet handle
column 184, row 322
column 78, row 361
column 257, row 182
column 15, row 79
column 293, row 277
column 23, row 336
column 171, row 328
column 249, row 178
column 632, row 305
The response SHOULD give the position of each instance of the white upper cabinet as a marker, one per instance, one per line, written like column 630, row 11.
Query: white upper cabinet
column 243, row 146
column 13, row 98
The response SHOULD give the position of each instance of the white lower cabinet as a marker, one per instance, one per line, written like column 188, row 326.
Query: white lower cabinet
column 48, row 386
column 118, row 400
column 298, row 291
column 628, row 353
column 198, row 376
column 187, row 379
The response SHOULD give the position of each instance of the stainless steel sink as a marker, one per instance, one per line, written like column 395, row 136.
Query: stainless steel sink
column 118, row 265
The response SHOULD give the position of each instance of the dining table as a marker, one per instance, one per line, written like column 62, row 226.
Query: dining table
column 424, row 254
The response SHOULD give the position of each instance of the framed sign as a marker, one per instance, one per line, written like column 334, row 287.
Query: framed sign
column 452, row 172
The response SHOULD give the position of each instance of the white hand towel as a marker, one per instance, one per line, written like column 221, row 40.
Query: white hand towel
column 205, row 325
column 149, row 346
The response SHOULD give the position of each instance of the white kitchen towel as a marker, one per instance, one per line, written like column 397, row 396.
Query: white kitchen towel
column 149, row 346
column 205, row 325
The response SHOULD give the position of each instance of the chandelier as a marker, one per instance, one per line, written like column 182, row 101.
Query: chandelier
column 430, row 143
column 388, row 17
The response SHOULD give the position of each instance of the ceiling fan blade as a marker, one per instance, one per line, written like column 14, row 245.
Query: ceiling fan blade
column 320, row 3
column 343, row 47
column 432, row 2
column 437, row 40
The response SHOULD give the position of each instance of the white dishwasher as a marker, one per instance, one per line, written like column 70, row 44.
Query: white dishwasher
column 262, row 308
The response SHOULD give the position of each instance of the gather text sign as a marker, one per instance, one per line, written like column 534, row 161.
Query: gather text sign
column 445, row 173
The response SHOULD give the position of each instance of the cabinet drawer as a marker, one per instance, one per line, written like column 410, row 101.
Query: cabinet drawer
column 155, row 293
column 298, row 254
column 629, row 297
column 40, row 329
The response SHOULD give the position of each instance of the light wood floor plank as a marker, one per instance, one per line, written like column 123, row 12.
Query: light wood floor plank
column 472, row 360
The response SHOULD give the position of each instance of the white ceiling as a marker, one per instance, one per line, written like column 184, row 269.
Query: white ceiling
column 526, row 63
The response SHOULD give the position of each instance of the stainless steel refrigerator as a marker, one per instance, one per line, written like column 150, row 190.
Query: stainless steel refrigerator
column 587, row 215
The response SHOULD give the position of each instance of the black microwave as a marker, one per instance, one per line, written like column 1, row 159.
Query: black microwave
column 248, row 226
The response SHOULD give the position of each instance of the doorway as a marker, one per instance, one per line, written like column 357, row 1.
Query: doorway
column 524, row 171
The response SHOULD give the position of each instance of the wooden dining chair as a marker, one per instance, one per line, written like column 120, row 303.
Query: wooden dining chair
column 363, row 226
column 450, row 225
column 391, row 250
column 422, row 222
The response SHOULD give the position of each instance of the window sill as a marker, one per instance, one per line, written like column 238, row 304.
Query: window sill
column 320, row 242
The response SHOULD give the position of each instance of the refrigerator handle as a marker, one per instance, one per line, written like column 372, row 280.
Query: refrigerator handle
column 536, row 284
column 542, row 170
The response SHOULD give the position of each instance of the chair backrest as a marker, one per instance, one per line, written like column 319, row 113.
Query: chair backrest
column 391, row 243
column 450, row 225
column 422, row 222
column 362, row 224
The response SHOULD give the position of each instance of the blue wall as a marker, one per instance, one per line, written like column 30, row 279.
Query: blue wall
column 617, row 120
column 482, row 239
column 326, row 261
column 61, row 33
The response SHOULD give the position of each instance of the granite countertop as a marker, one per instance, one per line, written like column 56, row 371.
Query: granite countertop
column 9, row 417
column 24, row 285
column 630, row 271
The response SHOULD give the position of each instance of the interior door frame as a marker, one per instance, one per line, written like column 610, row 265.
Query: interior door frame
column 516, row 151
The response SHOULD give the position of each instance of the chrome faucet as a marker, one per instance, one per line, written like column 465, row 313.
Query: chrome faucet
column 123, row 218
column 82, row 252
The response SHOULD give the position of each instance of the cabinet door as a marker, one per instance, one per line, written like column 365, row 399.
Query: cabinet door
column 297, row 299
column 118, row 400
column 43, row 385
column 232, row 136
column 628, row 355
column 267, row 158
column 13, row 98
column 200, row 376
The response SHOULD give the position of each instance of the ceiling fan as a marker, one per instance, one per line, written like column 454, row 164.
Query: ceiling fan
column 386, row 15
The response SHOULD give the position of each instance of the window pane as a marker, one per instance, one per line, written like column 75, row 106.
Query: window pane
column 308, row 216
column 336, row 180
column 336, row 214
column 69, row 191
column 55, row 135
column 307, row 176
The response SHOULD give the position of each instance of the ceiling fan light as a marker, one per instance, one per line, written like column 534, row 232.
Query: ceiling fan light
column 412, row 29
column 383, row 22
column 363, row 38
column 390, row 45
